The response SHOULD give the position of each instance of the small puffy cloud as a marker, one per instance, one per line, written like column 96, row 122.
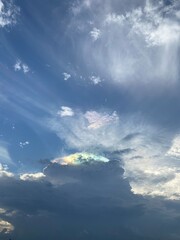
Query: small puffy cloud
column 21, row 66
column 95, row 34
column 65, row 112
column 23, row 144
column 8, row 13
column 95, row 79
column 6, row 227
column 66, row 76
column 32, row 176
column 17, row 66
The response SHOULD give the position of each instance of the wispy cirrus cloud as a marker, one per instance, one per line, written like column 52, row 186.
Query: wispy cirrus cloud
column 4, row 153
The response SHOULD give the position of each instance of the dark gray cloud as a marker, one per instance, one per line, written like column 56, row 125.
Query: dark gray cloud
column 90, row 201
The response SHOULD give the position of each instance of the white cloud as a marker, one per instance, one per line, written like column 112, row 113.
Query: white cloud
column 17, row 66
column 154, row 170
column 95, row 34
column 4, row 171
column 25, row 68
column 65, row 112
column 77, row 130
column 112, row 18
column 154, row 177
column 6, row 227
column 95, row 79
column 21, row 66
column 151, row 23
column 138, row 46
column 97, row 120
column 174, row 150
column 23, row 144
column 142, row 148
column 8, row 13
column 32, row 176
column 66, row 76
column 96, row 130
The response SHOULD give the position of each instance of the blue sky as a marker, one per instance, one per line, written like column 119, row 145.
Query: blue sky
column 89, row 119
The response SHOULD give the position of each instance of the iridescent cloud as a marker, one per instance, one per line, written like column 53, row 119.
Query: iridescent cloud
column 79, row 158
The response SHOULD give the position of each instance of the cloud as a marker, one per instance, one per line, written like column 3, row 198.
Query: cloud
column 66, row 76
column 95, row 195
column 21, row 66
column 97, row 120
column 6, row 227
column 95, row 79
column 32, row 176
column 23, row 144
column 95, row 34
column 138, row 47
column 4, row 172
column 65, row 112
column 45, row 205
column 174, row 150
column 8, row 13
column 145, row 151
column 86, row 131
column 79, row 158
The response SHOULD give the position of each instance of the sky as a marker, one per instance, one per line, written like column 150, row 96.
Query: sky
column 89, row 119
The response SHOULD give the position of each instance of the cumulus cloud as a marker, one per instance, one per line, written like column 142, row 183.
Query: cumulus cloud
column 65, row 112
column 95, row 34
column 23, row 144
column 66, row 76
column 4, row 171
column 21, row 66
column 8, row 13
column 6, row 227
column 32, row 176
column 95, row 79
